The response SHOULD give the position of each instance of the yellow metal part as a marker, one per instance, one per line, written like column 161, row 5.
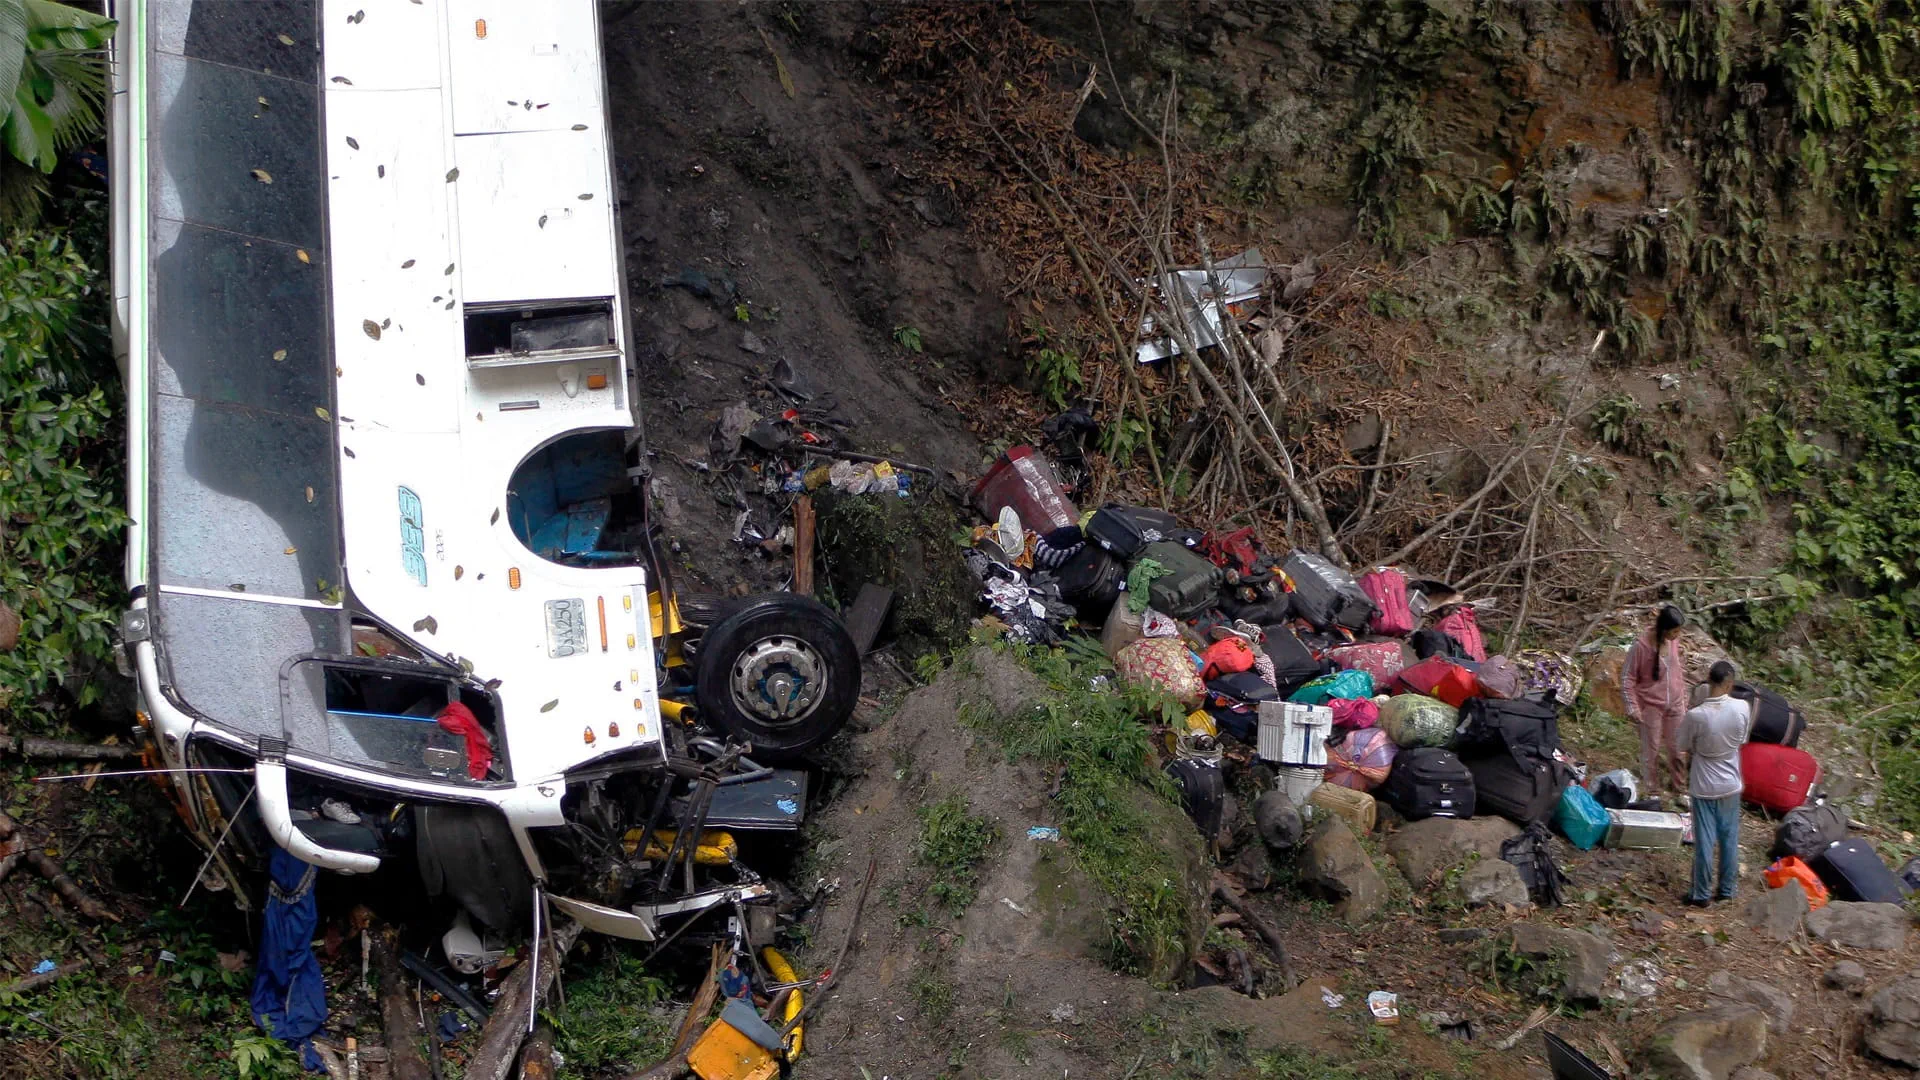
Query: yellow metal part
column 717, row 847
column 784, row 972
column 672, row 709
column 722, row 1053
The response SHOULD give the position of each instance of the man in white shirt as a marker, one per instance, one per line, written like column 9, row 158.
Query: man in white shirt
column 1710, row 739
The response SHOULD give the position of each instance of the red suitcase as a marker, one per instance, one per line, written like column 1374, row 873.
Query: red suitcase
column 1386, row 586
column 1777, row 778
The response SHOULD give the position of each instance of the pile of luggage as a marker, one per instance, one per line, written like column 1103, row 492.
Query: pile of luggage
column 1354, row 689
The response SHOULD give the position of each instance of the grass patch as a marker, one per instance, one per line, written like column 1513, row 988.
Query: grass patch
column 615, row 1016
column 1608, row 741
column 1099, row 739
column 954, row 843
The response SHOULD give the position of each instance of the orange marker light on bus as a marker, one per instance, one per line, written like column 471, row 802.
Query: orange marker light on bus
column 480, row 28
column 587, row 737
column 513, row 577
column 613, row 730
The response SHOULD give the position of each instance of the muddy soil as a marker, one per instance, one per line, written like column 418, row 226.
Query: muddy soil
column 770, row 214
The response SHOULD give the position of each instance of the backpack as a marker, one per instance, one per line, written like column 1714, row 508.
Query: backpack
column 1463, row 626
column 1491, row 726
column 1807, row 830
column 1531, row 854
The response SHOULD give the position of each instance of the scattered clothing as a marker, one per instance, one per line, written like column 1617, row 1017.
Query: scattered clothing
column 289, row 997
column 460, row 720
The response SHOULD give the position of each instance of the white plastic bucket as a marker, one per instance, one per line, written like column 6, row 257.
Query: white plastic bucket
column 1298, row 782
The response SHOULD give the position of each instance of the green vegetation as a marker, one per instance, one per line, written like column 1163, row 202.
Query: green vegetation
column 906, row 545
column 954, row 843
column 59, row 515
column 1100, row 740
column 615, row 1016
column 53, row 85
column 908, row 338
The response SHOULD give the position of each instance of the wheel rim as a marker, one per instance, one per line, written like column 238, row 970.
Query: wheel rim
column 778, row 680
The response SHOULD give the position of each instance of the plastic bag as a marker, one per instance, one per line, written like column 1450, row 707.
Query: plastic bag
column 1417, row 720
column 1792, row 868
column 1340, row 684
column 1543, row 670
column 1625, row 788
column 1226, row 657
column 1163, row 663
column 1361, row 760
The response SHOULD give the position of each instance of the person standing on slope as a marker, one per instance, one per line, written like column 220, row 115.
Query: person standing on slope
column 1710, row 739
column 1655, row 690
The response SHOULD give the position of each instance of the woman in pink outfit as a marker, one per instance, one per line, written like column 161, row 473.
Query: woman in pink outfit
column 1655, row 689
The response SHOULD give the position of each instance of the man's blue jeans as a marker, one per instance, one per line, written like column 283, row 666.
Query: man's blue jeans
column 1716, row 831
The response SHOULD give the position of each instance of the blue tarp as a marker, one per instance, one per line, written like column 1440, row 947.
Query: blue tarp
column 289, row 993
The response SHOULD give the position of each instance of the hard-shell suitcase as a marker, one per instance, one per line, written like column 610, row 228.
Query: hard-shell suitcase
column 1808, row 830
column 1192, row 586
column 1294, row 665
column 1580, row 818
column 1386, row 586
column 1122, row 531
column 1429, row 782
column 1777, row 778
column 1325, row 595
column 1854, row 871
column 1089, row 580
column 1775, row 719
column 1521, row 786
column 1645, row 830
column 1383, row 659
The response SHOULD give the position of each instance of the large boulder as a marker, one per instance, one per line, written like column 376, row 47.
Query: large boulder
column 1574, row 962
column 1604, row 682
column 1769, row 999
column 1893, row 1021
column 1860, row 926
column 1493, row 881
column 1428, row 847
column 1778, row 913
column 1709, row 1045
column 1334, row 865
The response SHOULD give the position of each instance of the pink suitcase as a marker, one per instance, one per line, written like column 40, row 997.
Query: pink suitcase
column 1464, row 627
column 1382, row 659
column 1386, row 586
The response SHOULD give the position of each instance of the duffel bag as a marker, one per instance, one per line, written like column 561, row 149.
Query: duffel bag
column 1123, row 531
column 1191, row 584
column 1806, row 831
column 1386, row 586
column 1489, row 726
column 1163, row 663
column 1437, row 677
column 1777, row 778
column 1775, row 719
column 1428, row 782
column 1325, row 595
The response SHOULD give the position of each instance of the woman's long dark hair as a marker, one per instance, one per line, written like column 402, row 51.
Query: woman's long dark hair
column 1670, row 618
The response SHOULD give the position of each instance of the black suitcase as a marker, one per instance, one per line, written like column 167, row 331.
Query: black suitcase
column 1807, row 830
column 1193, row 585
column 1203, row 792
column 1775, row 719
column 1854, row 871
column 1294, row 665
column 1521, row 786
column 1491, row 725
column 1325, row 595
column 1123, row 530
column 1090, row 580
column 1429, row 782
column 1234, row 700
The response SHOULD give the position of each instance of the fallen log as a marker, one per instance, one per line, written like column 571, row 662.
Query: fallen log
column 1267, row 931
column 68, row 889
column 396, row 1009
column 536, row 1058
column 506, row 1027
column 35, row 982
column 32, row 747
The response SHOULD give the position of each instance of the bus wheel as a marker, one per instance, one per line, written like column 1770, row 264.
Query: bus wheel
column 778, row 671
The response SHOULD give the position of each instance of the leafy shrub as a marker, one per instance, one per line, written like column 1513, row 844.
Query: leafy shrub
column 60, row 520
